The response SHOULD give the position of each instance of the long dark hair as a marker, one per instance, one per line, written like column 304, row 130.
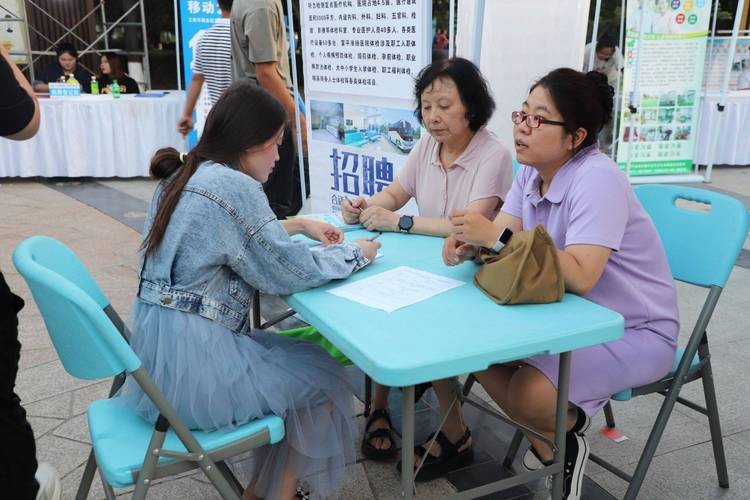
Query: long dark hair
column 116, row 65
column 583, row 99
column 243, row 117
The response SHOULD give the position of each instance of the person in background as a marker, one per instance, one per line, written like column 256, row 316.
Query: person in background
column 112, row 67
column 212, row 64
column 20, row 476
column 65, row 66
column 260, row 54
column 458, row 165
column 743, row 82
column 210, row 241
column 609, row 62
column 609, row 253
column 607, row 58
column 441, row 39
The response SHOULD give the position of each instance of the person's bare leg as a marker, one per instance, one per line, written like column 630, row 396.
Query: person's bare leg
column 380, row 402
column 288, row 489
column 454, row 426
column 529, row 398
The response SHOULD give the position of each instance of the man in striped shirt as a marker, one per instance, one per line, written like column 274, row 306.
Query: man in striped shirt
column 212, row 63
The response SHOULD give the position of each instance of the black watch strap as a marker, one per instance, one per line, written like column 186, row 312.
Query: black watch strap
column 405, row 223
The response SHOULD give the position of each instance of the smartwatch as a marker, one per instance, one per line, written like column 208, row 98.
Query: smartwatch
column 502, row 240
column 405, row 223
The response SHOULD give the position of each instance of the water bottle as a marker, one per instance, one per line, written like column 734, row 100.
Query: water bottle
column 94, row 86
column 115, row 89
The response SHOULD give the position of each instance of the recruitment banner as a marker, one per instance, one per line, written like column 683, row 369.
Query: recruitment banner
column 671, row 58
column 716, row 62
column 196, row 16
column 361, row 58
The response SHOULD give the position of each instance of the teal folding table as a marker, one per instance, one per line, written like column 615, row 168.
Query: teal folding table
column 453, row 333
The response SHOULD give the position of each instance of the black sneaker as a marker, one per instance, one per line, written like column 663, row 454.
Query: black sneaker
column 576, row 455
column 530, row 459
column 583, row 423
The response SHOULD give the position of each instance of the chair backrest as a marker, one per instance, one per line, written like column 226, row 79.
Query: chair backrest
column 702, row 245
column 89, row 345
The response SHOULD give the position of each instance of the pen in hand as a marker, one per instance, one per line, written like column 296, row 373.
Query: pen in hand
column 375, row 237
column 351, row 204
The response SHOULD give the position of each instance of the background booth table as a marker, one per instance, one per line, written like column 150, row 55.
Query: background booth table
column 95, row 136
column 455, row 332
column 733, row 137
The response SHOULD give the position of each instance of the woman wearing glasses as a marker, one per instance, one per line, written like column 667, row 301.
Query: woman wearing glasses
column 609, row 252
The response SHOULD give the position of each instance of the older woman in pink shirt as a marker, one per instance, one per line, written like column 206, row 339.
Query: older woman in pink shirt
column 459, row 165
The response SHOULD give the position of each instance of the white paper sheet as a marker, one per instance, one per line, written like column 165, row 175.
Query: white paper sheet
column 397, row 288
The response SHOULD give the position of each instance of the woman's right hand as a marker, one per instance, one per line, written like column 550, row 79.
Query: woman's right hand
column 350, row 210
column 456, row 252
column 369, row 248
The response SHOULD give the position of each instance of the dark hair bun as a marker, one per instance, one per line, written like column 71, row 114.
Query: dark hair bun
column 606, row 94
column 164, row 163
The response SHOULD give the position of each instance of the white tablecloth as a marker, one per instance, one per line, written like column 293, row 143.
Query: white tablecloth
column 95, row 136
column 733, row 141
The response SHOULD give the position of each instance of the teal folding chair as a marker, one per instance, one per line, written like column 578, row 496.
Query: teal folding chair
column 684, row 233
column 702, row 245
column 128, row 450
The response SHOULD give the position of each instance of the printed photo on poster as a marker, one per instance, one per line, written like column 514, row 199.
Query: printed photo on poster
column 373, row 129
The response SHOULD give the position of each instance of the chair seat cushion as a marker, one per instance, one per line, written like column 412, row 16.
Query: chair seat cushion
column 121, row 437
column 628, row 393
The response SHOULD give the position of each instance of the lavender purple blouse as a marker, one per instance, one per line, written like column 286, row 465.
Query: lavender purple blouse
column 590, row 202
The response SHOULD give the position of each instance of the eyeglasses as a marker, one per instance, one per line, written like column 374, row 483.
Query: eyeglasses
column 533, row 121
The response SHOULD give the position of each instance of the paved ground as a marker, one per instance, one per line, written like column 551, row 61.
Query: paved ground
column 99, row 221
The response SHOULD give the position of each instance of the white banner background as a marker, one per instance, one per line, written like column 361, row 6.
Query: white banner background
column 521, row 42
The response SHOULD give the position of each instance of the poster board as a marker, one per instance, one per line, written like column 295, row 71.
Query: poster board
column 716, row 61
column 361, row 59
column 663, row 131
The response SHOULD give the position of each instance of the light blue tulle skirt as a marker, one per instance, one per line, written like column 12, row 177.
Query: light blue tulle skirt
column 216, row 380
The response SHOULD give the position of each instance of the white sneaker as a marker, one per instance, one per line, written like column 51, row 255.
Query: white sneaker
column 49, row 483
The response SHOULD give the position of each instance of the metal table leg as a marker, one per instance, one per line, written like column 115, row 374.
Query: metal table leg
column 407, row 443
column 561, row 421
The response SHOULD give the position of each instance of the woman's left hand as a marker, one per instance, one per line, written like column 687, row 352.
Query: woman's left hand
column 375, row 218
column 323, row 232
column 474, row 228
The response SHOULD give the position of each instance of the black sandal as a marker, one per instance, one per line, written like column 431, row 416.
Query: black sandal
column 450, row 458
column 368, row 450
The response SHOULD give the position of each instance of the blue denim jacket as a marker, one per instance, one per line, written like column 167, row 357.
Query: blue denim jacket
column 222, row 242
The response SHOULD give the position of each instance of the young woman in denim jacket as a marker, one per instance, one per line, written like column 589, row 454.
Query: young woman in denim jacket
column 210, row 240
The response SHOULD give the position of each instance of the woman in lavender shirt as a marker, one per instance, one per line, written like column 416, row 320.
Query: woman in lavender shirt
column 609, row 251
